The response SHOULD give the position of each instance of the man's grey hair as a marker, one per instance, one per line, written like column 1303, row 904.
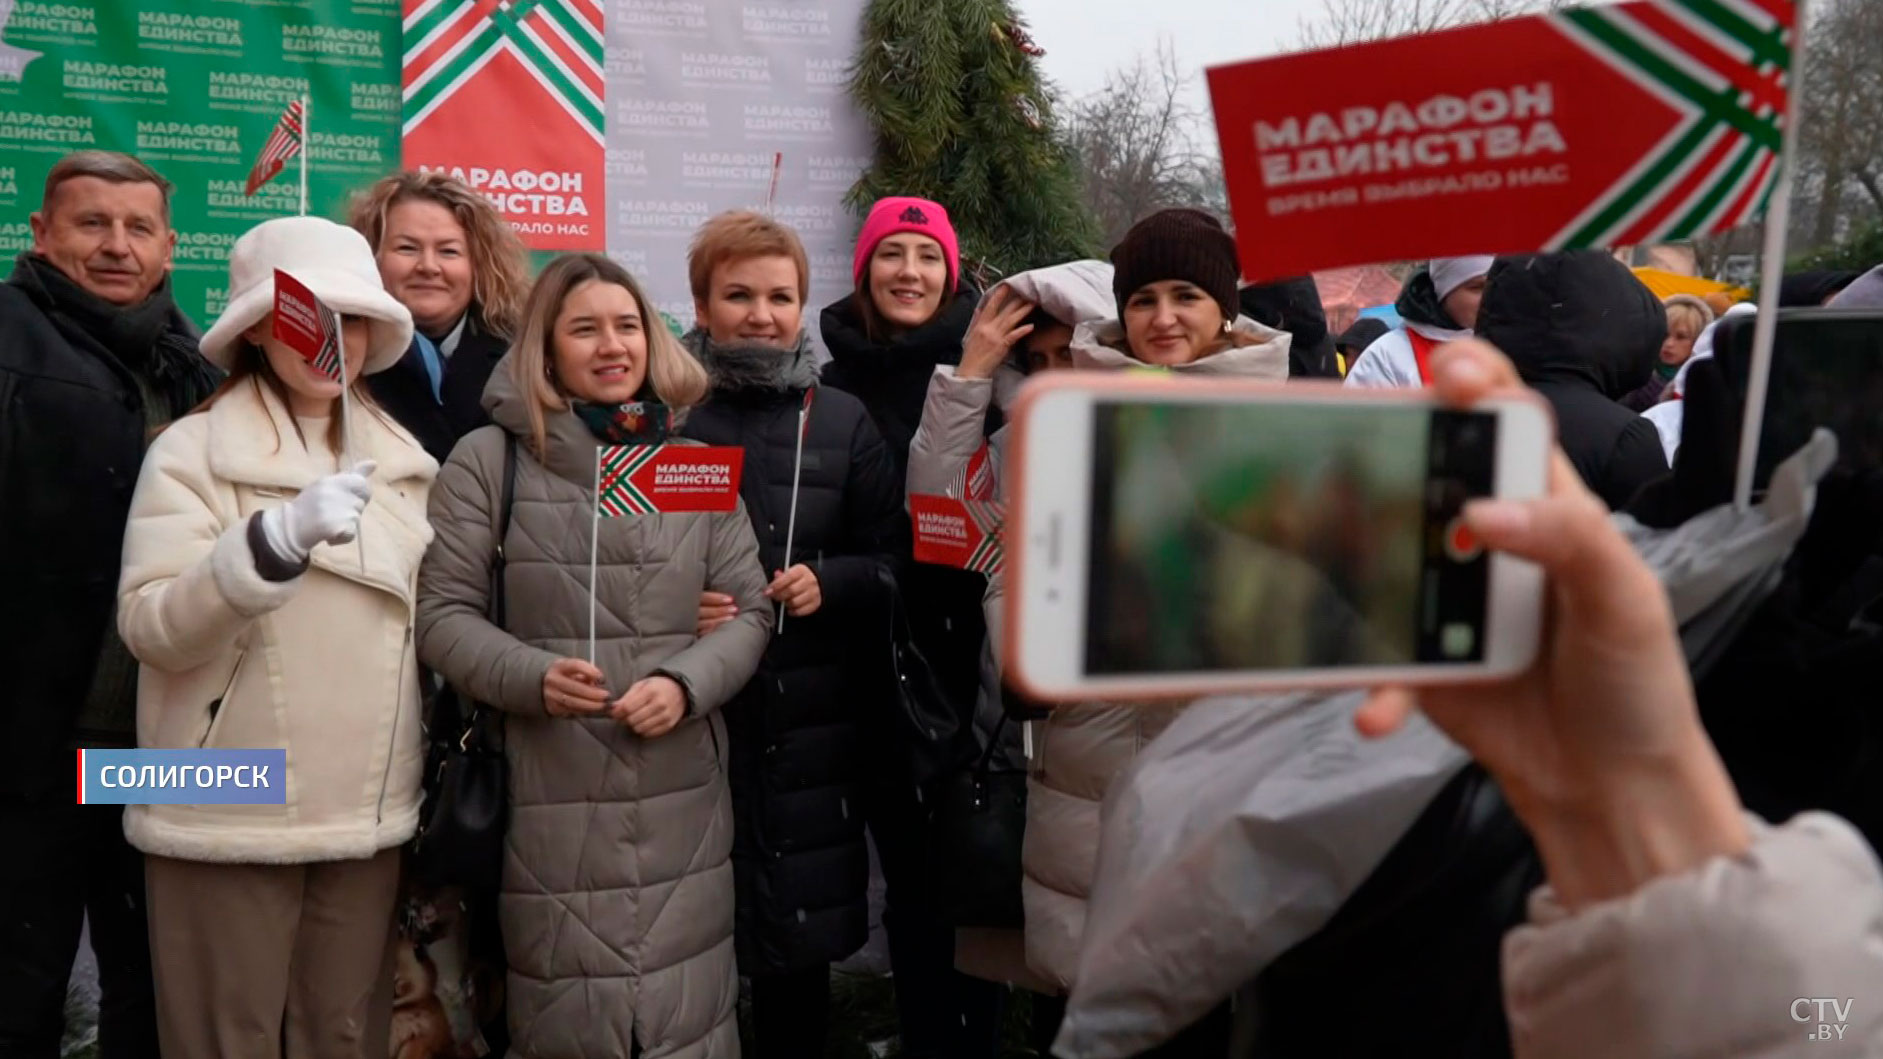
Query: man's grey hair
column 111, row 166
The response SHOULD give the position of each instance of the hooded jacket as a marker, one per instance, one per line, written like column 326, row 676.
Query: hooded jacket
column 950, row 435
column 956, row 410
column 1390, row 360
column 1249, row 351
column 320, row 665
column 1583, row 332
column 1294, row 305
column 891, row 379
column 617, row 901
column 1078, row 750
column 797, row 739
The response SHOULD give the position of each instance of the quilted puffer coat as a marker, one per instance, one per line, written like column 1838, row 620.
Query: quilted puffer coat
column 1079, row 749
column 800, row 745
column 617, row 884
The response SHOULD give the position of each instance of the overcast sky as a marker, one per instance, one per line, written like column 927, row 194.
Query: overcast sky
column 1084, row 39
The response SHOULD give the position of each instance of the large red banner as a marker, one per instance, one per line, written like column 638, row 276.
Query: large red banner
column 1610, row 126
column 508, row 95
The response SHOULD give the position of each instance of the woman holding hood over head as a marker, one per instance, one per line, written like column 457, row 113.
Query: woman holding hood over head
column 798, row 750
column 617, row 902
column 255, row 628
column 1022, row 328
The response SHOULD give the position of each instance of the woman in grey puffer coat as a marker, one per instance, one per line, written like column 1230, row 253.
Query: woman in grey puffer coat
column 617, row 884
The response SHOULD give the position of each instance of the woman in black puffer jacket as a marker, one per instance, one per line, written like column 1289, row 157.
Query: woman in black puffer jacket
column 798, row 749
column 909, row 314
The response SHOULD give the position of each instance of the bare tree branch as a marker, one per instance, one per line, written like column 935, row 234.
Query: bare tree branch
column 1141, row 145
column 1343, row 22
column 1839, row 145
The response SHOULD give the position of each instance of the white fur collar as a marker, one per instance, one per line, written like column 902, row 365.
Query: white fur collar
column 243, row 451
column 1250, row 350
column 252, row 441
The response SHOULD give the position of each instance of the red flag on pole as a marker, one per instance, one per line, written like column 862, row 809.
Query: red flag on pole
column 308, row 326
column 283, row 143
column 1608, row 125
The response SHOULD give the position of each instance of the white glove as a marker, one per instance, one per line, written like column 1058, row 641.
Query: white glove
column 327, row 512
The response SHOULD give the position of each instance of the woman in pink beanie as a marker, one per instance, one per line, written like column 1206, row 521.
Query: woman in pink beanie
column 908, row 316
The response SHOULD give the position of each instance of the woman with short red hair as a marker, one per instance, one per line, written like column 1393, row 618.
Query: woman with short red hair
column 798, row 739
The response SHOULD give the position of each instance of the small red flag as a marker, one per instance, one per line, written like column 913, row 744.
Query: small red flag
column 283, row 143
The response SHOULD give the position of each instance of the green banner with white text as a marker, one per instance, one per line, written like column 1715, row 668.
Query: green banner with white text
column 194, row 87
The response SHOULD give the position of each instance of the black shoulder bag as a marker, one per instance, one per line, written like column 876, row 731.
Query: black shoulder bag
column 980, row 822
column 931, row 723
column 460, row 831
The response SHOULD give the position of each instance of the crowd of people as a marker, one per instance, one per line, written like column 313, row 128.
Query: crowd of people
column 204, row 548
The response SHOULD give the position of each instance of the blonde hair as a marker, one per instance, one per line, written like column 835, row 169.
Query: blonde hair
column 1695, row 311
column 738, row 235
column 500, row 266
column 678, row 380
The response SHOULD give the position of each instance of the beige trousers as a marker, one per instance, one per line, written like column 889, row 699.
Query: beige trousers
column 265, row 961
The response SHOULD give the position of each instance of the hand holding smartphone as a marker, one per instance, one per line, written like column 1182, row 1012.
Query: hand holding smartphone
column 1171, row 539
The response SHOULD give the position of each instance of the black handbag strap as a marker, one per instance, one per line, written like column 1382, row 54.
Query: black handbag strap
column 494, row 605
column 507, row 500
column 985, row 765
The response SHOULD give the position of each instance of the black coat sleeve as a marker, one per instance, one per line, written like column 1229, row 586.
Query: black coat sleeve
column 1636, row 461
column 877, row 525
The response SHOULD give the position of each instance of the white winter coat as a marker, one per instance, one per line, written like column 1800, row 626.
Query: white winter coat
column 321, row 665
column 1390, row 361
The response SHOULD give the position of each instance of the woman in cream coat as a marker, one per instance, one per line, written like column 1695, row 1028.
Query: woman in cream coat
column 257, row 629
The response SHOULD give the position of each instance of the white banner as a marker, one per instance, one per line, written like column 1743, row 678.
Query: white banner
column 704, row 98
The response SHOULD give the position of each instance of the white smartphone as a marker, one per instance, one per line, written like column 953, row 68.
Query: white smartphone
column 1171, row 538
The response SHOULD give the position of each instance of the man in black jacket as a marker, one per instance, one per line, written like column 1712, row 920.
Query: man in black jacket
column 97, row 358
column 1583, row 332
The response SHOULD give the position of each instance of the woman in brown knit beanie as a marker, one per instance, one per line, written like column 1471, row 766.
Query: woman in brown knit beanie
column 1174, row 276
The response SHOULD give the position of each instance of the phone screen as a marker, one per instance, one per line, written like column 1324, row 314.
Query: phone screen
column 1275, row 536
column 1827, row 370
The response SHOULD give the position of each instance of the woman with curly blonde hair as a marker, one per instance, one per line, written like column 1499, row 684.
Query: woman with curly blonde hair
column 448, row 256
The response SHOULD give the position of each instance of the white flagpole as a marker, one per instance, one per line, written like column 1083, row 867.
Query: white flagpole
column 307, row 148
column 594, row 551
column 1771, row 274
column 791, row 524
column 346, row 412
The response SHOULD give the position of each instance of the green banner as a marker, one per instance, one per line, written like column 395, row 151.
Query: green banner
column 193, row 87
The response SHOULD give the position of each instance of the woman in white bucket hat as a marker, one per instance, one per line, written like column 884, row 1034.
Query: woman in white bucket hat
column 269, row 923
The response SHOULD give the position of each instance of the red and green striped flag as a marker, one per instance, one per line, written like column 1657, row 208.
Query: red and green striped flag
column 284, row 142
column 616, row 495
column 508, row 95
column 1605, row 126
column 990, row 518
column 327, row 358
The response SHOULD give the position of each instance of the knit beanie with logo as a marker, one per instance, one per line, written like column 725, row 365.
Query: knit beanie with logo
column 894, row 216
